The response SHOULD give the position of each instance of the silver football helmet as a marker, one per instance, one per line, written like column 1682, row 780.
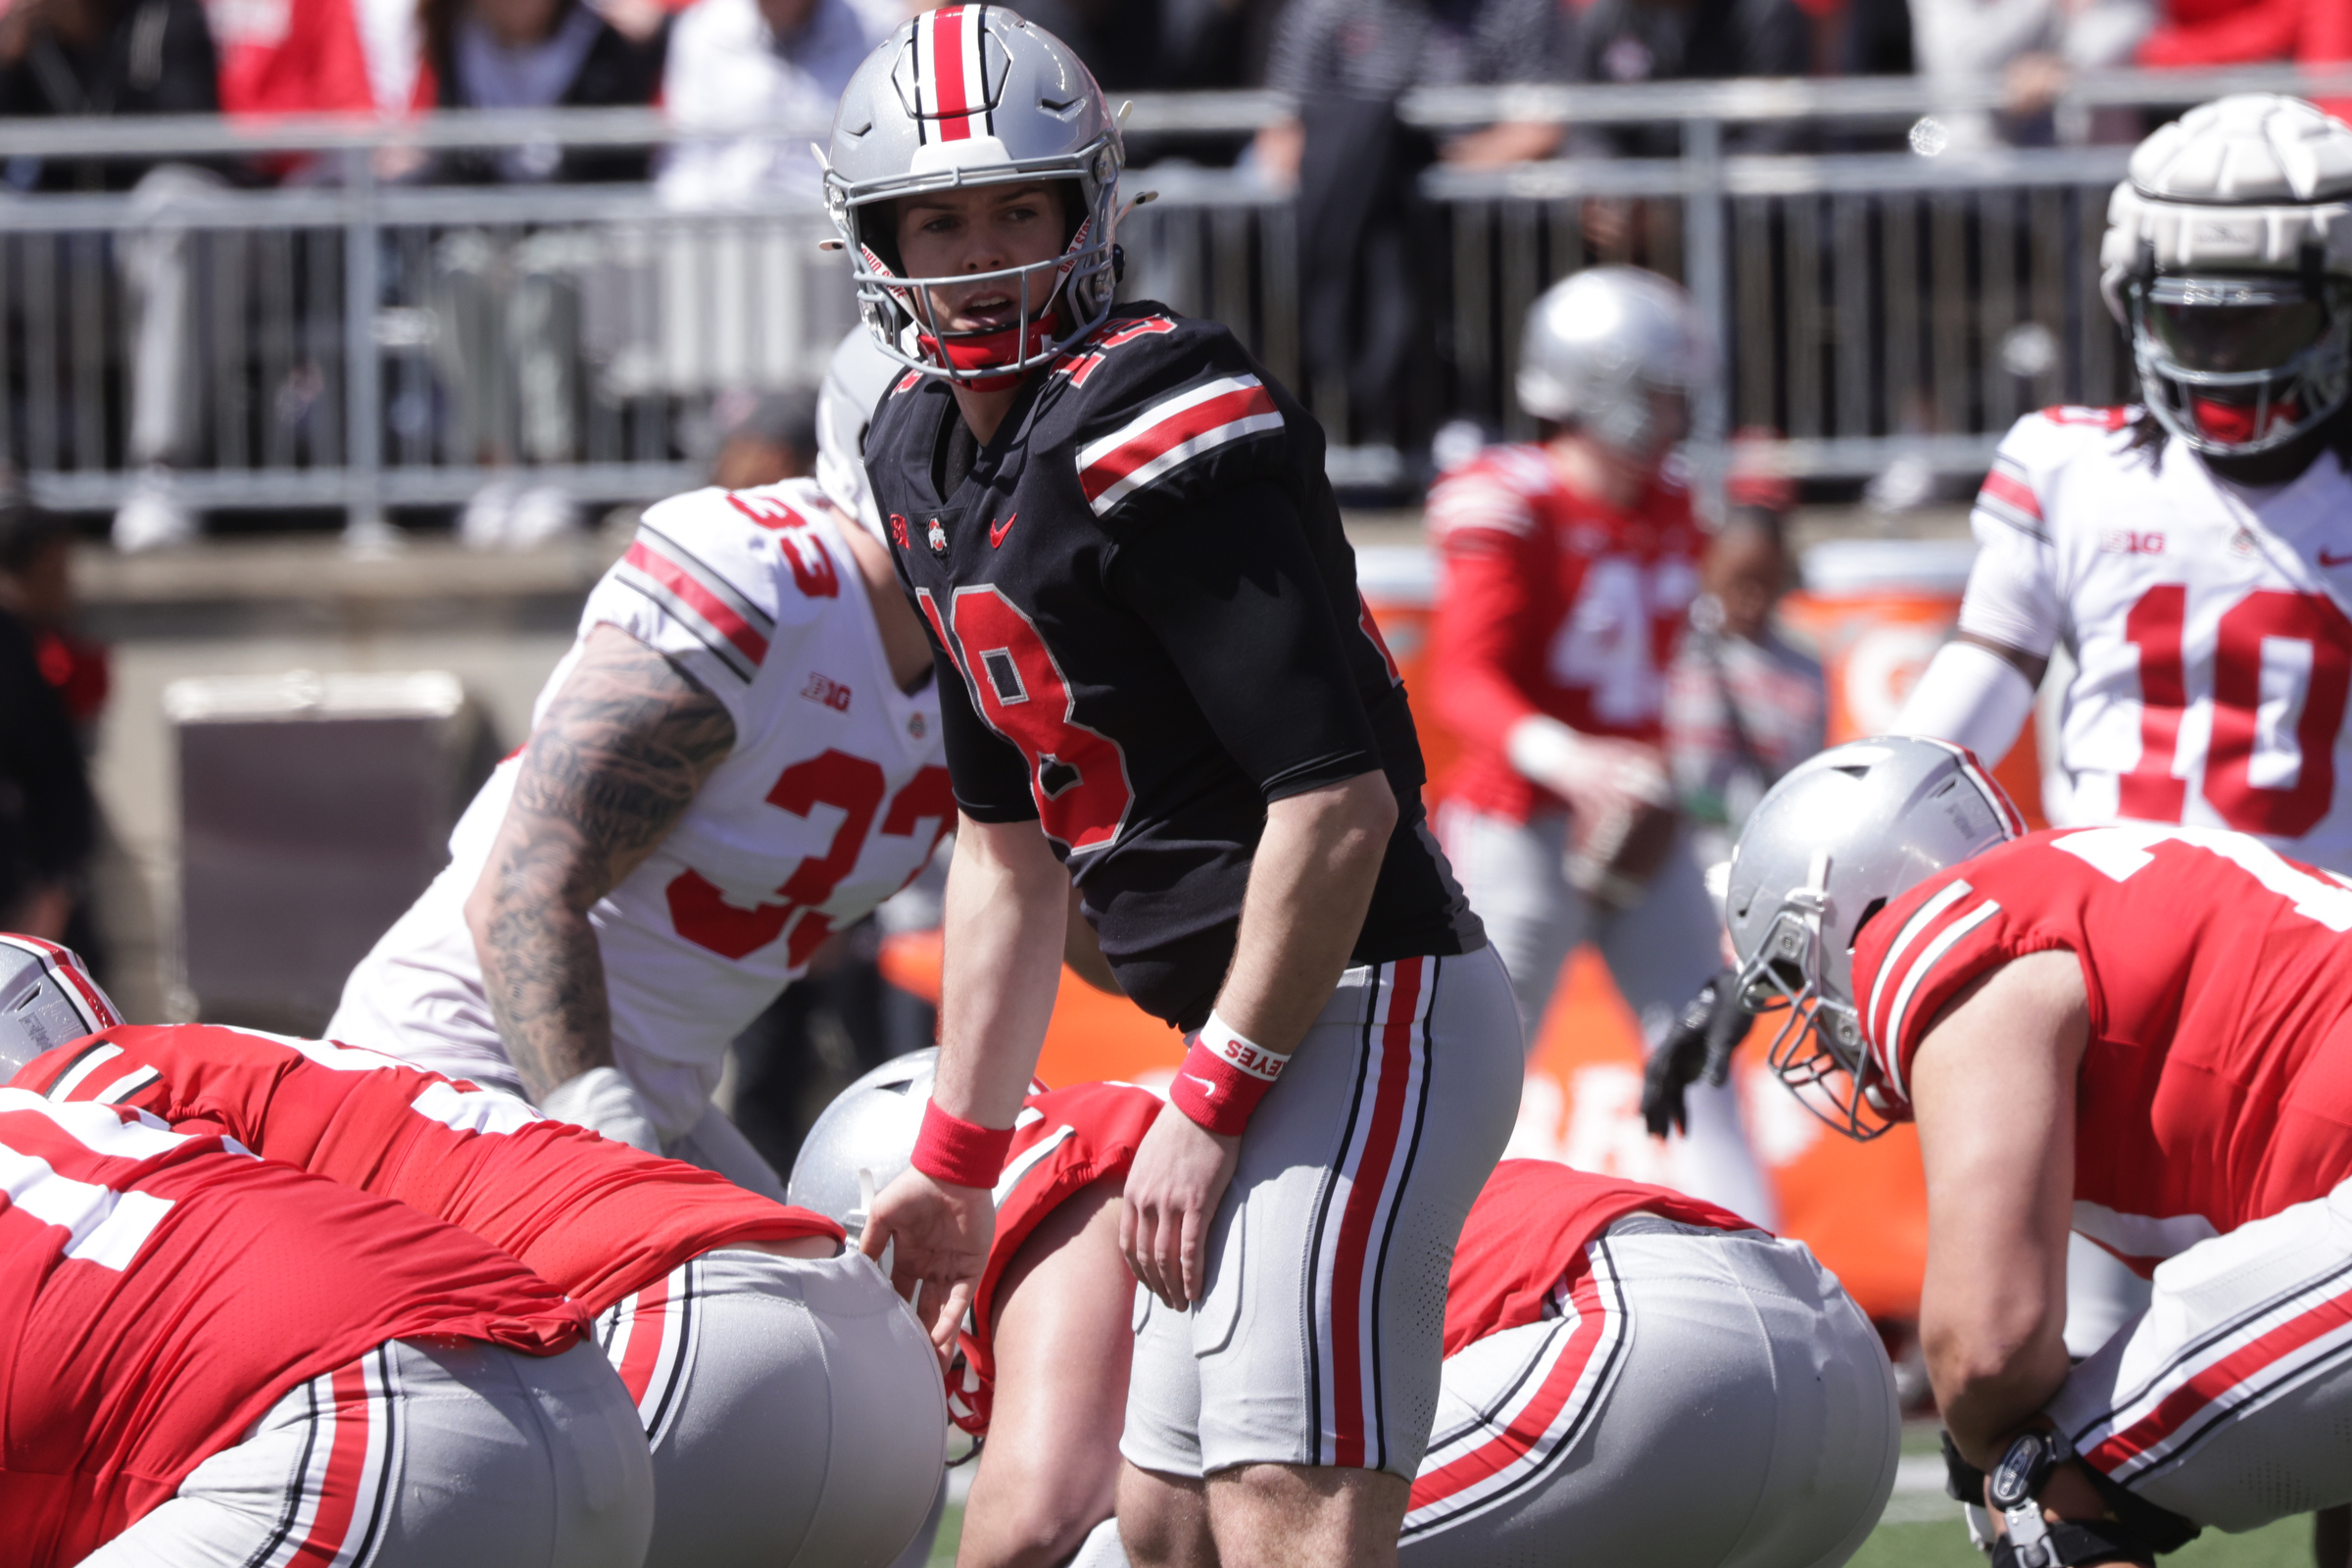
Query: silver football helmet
column 1618, row 351
column 973, row 95
column 46, row 999
column 2228, row 259
column 863, row 1140
column 1826, row 849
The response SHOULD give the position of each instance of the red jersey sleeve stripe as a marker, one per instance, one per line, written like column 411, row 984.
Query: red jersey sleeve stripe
column 2008, row 498
column 1899, row 1012
column 722, row 620
column 1171, row 433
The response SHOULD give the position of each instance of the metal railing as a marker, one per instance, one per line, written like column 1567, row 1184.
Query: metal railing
column 348, row 340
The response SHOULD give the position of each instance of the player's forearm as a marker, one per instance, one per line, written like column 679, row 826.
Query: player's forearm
column 616, row 758
column 1988, row 1386
column 1006, row 920
column 1310, row 884
column 544, row 976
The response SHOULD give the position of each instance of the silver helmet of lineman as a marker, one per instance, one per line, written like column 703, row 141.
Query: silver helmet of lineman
column 1837, row 837
column 971, row 95
column 46, row 999
column 1619, row 352
column 2228, row 261
column 863, row 1140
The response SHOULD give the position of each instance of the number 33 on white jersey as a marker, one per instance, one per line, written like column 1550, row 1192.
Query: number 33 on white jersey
column 2208, row 626
column 833, row 798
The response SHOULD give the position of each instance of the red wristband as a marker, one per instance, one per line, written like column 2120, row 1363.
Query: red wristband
column 960, row 1153
column 1223, row 1078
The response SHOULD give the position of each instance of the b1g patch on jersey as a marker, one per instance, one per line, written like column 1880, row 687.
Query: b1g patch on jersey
column 1178, row 431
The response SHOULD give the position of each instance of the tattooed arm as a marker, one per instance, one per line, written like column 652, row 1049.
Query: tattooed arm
column 625, row 746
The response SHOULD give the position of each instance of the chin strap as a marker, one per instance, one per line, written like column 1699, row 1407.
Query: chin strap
column 985, row 351
column 2138, row 1532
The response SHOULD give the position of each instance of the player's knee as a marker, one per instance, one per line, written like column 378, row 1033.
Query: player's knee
column 1163, row 1520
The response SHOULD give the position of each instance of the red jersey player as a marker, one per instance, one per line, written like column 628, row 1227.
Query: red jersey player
column 212, row 1357
column 2141, row 1029
column 1570, row 564
column 1588, row 1321
column 729, row 1317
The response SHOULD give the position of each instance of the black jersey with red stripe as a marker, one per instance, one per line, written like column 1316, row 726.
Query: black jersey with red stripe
column 1148, row 628
column 2219, row 977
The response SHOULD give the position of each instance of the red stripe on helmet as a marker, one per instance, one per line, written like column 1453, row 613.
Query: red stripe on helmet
column 949, row 90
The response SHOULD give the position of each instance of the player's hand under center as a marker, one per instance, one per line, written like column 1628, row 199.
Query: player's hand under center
column 943, row 1232
column 1180, row 1174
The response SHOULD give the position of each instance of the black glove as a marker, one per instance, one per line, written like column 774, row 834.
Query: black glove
column 1699, row 1045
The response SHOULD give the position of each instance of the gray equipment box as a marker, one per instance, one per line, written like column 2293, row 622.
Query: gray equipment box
column 312, row 809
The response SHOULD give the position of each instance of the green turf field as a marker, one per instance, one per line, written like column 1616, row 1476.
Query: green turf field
column 1945, row 1544
column 2285, row 1544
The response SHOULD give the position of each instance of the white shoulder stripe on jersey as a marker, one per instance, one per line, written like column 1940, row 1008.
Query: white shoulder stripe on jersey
column 75, row 1075
column 473, row 1110
column 1029, row 1161
column 130, row 1084
column 99, row 1129
column 1919, row 970
column 1920, row 918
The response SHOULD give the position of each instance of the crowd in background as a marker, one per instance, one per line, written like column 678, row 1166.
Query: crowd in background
column 721, row 58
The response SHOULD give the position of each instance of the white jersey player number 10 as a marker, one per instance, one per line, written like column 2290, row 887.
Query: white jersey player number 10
column 2281, row 671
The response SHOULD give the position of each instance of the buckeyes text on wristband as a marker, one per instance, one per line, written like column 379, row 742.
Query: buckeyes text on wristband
column 1223, row 1078
column 960, row 1153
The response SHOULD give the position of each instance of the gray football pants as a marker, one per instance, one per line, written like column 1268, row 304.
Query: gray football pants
column 794, row 1408
column 1319, row 1335
column 442, row 1455
column 1716, row 1401
column 2229, row 1399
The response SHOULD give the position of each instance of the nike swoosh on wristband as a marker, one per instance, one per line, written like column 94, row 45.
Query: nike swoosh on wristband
column 1208, row 1084
column 998, row 530
column 2331, row 561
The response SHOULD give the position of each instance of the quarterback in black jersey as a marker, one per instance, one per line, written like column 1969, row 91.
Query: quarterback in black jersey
column 1159, row 683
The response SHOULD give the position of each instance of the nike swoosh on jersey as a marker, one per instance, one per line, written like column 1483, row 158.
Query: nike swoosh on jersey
column 2332, row 561
column 998, row 530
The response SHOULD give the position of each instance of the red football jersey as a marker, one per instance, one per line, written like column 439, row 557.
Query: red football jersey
column 1552, row 603
column 160, row 1292
column 1523, row 1246
column 596, row 1218
column 1064, row 1141
column 2217, row 1086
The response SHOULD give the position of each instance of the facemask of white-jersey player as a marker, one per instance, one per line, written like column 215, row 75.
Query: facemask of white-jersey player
column 1837, row 839
column 46, row 999
column 2236, row 365
column 961, row 99
column 2228, row 259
